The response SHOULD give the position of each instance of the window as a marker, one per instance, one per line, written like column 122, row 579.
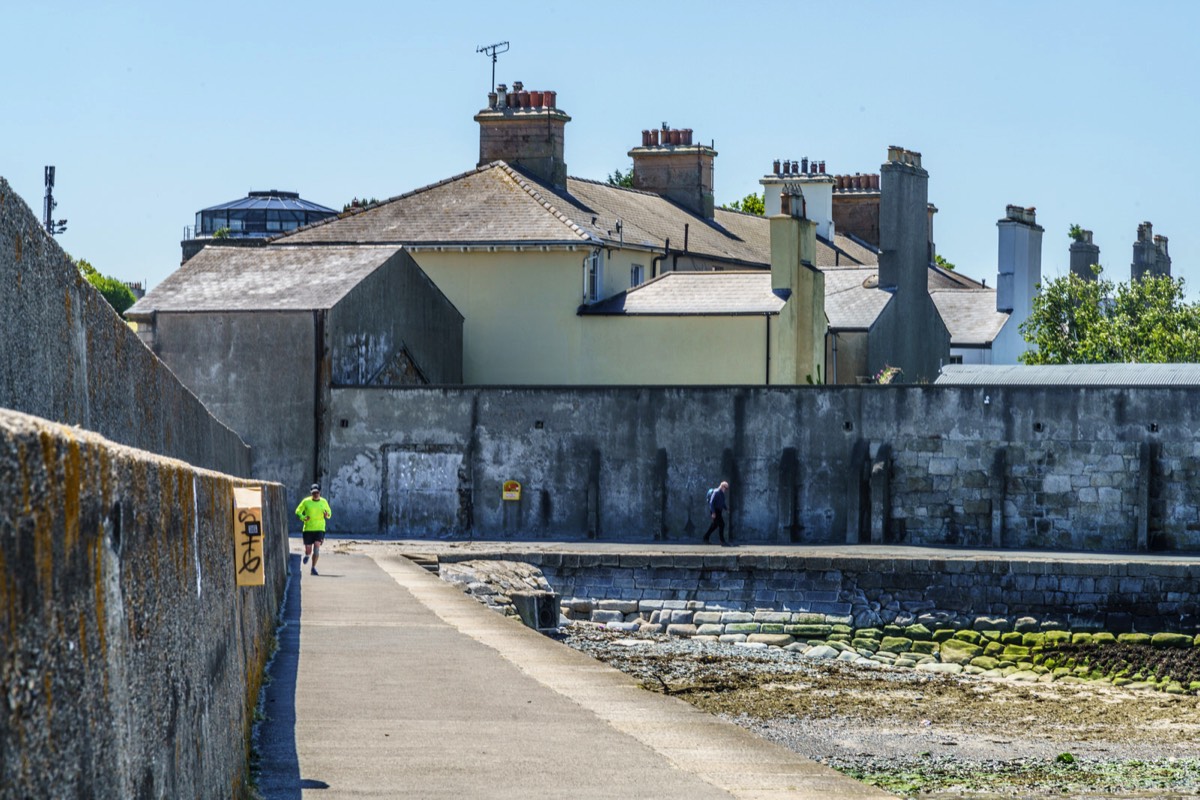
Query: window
column 593, row 282
column 637, row 275
column 956, row 359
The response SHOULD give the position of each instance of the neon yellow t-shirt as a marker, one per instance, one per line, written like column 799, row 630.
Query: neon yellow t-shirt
column 314, row 513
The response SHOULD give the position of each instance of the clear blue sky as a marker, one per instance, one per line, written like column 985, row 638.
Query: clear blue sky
column 152, row 111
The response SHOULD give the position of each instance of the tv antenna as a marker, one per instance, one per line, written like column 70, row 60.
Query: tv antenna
column 493, row 50
column 53, row 226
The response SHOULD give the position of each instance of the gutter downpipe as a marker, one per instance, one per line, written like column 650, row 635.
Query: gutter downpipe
column 835, row 338
column 767, row 318
column 654, row 261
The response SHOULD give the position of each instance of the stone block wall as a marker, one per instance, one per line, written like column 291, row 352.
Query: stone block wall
column 1019, row 467
column 130, row 661
column 1145, row 594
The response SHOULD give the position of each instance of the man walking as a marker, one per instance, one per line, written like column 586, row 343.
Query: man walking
column 313, row 511
column 716, row 507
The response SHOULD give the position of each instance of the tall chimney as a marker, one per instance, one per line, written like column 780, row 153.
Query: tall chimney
column 1019, row 261
column 526, row 136
column 679, row 172
column 904, row 223
column 1083, row 255
column 795, row 279
column 1149, row 254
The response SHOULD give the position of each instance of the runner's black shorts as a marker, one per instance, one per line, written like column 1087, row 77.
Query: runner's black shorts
column 314, row 537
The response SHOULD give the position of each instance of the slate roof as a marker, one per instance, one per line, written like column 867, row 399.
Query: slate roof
column 695, row 294
column 497, row 204
column 1105, row 375
column 970, row 315
column 853, row 299
column 263, row 279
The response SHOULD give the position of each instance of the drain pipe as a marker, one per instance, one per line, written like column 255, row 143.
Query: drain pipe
column 654, row 261
column 832, row 378
column 767, row 318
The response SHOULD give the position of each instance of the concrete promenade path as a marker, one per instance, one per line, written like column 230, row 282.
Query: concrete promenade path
column 391, row 683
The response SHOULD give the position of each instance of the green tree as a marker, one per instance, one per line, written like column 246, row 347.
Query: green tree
column 356, row 203
column 750, row 204
column 622, row 179
column 1077, row 321
column 943, row 263
column 115, row 292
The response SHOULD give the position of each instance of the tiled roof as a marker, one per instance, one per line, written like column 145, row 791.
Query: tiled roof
column 695, row 293
column 1112, row 375
column 497, row 204
column 853, row 299
column 970, row 316
column 263, row 279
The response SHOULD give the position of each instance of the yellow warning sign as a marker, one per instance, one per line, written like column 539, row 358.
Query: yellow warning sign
column 512, row 491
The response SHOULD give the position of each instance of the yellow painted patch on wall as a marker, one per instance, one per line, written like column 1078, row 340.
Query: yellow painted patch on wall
column 248, row 536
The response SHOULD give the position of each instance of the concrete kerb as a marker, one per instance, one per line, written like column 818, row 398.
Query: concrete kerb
column 719, row 753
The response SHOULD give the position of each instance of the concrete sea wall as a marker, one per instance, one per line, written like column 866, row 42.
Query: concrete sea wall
column 1014, row 467
column 130, row 660
column 68, row 357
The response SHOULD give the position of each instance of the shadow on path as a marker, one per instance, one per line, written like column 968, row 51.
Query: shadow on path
column 279, row 766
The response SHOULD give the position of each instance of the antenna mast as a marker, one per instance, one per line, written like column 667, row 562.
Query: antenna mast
column 53, row 226
column 493, row 50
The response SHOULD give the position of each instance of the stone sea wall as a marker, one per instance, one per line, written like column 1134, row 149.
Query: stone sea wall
column 1146, row 594
column 1035, row 635
column 130, row 660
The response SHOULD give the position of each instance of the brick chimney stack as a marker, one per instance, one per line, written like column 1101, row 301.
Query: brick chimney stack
column 1150, row 255
column 526, row 130
column 669, row 164
column 1083, row 255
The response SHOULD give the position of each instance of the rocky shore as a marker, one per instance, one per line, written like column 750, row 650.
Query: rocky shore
column 937, row 734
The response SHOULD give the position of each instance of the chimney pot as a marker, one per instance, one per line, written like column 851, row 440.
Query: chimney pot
column 518, row 86
column 804, row 164
column 775, row 167
column 687, row 136
column 551, row 99
column 787, row 167
column 535, row 99
column 822, row 170
column 492, row 97
column 654, row 137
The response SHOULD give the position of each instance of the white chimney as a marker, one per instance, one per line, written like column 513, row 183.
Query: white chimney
column 816, row 186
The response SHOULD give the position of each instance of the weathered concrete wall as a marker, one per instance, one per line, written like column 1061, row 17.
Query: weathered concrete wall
column 257, row 372
column 393, row 316
column 68, row 357
column 130, row 661
column 1052, row 467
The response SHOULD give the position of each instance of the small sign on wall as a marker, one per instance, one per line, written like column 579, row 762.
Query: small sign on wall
column 248, row 536
column 511, row 491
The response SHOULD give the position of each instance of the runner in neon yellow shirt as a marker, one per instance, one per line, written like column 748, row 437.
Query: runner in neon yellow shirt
column 313, row 511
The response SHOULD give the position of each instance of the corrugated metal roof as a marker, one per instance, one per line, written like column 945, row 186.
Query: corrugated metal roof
column 1110, row 375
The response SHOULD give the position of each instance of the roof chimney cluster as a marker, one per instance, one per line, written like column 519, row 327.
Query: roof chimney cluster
column 1021, row 214
column 520, row 99
column 667, row 137
column 856, row 183
column 898, row 155
column 804, row 166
